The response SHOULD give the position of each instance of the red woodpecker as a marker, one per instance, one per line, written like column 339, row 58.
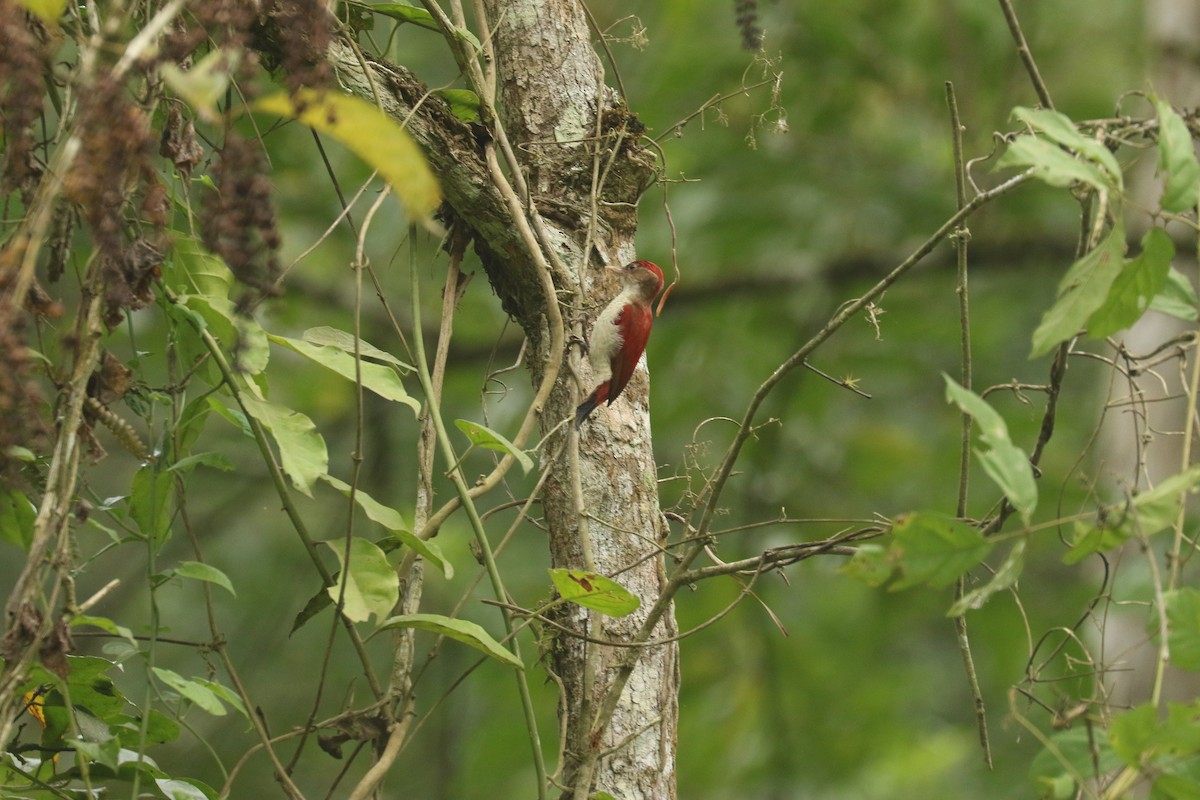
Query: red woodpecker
column 620, row 334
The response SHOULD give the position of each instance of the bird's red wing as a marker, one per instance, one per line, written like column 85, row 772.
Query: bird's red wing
column 634, row 324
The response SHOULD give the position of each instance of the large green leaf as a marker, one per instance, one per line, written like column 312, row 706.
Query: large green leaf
column 1051, row 163
column 242, row 337
column 1004, row 578
column 17, row 516
column 378, row 378
column 368, row 584
column 935, row 550
column 152, row 502
column 1059, row 128
column 1146, row 514
column 196, row 692
column 372, row 135
column 302, row 451
column 482, row 436
column 1139, row 282
column 1176, row 160
column 390, row 518
column 594, row 591
column 196, row 270
column 458, row 629
column 1004, row 462
column 1178, row 297
column 1083, row 290
column 1183, row 627
column 199, row 571
column 333, row 337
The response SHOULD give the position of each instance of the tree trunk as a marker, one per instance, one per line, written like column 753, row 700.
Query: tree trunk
column 551, row 90
column 583, row 190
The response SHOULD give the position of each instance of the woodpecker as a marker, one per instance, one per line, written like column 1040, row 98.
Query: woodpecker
column 620, row 333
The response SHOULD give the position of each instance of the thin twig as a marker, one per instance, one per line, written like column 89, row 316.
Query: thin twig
column 1035, row 77
column 961, row 238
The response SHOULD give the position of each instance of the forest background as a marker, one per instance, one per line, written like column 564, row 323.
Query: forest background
column 790, row 180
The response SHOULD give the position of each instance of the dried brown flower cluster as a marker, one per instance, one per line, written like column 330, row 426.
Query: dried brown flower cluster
column 302, row 30
column 226, row 23
column 22, row 63
column 238, row 219
column 113, row 173
column 20, row 399
column 746, row 13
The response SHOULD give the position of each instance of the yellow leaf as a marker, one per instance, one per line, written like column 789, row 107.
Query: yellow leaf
column 372, row 136
column 47, row 10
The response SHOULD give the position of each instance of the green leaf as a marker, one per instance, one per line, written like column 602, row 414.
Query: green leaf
column 196, row 270
column 1178, row 297
column 406, row 13
column 332, row 337
column 105, row 753
column 188, row 789
column 1183, row 627
column 1051, row 164
column 315, row 605
column 239, row 335
column 1004, row 578
column 48, row 11
column 17, row 516
column 1004, row 462
column 371, row 585
column 373, row 136
column 1158, row 508
column 380, row 379
column 1090, row 539
column 204, row 572
column 458, row 629
column 223, row 692
column 1132, row 733
column 1176, row 160
column 1083, row 290
column 105, row 624
column 420, row 17
column 302, row 451
column 1061, row 129
column 1146, row 514
column 464, row 103
column 152, row 502
column 211, row 459
column 191, row 424
column 197, row 693
column 594, row 591
column 206, row 82
column 872, row 564
column 935, row 550
column 1069, row 757
column 1140, row 281
column 390, row 518
column 486, row 437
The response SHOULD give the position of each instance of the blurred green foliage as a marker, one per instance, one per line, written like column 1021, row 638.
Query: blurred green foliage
column 864, row 696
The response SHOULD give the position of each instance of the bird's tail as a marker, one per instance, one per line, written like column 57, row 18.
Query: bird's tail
column 598, row 396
